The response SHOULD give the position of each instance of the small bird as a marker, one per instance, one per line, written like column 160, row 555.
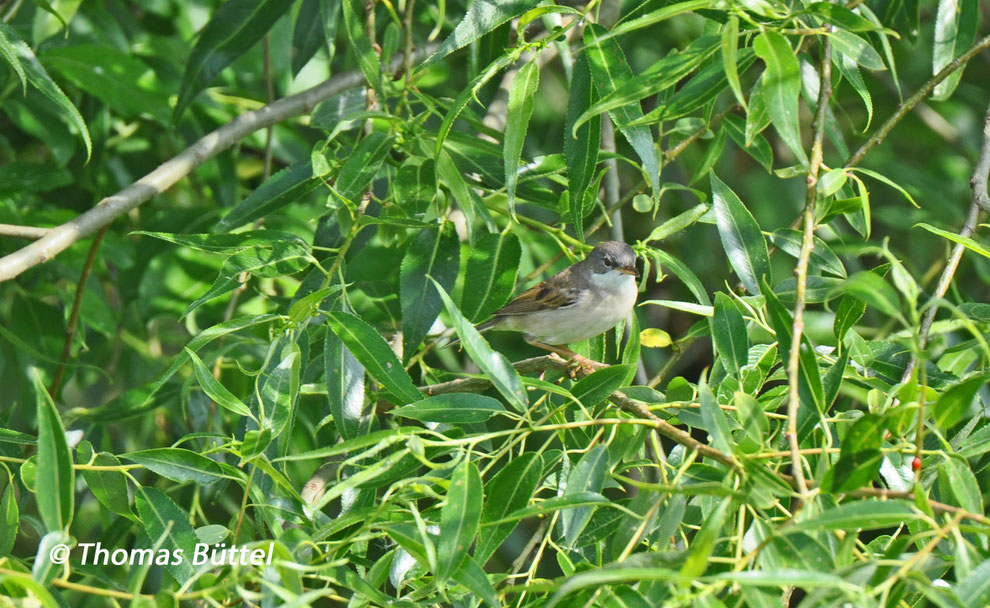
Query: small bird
column 579, row 302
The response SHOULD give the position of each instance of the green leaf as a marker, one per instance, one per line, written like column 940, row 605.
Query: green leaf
column 459, row 519
column 659, row 77
column 822, row 255
column 730, row 48
column 850, row 72
column 280, row 391
column 956, row 401
column 955, row 29
column 178, row 464
column 781, row 87
column 163, row 519
column 354, row 26
column 234, row 28
column 214, row 389
column 451, row 408
column 962, row 483
column 678, row 222
column 656, row 16
column 857, row 49
column 126, row 84
column 810, row 388
column 522, row 94
column 254, row 443
column 474, row 577
column 482, row 18
column 225, row 242
column 859, row 515
column 839, row 15
column 703, row 542
column 598, row 386
column 362, row 164
column 493, row 364
column 872, row 289
column 57, row 500
column 490, row 277
column 587, row 476
column 345, row 388
column 714, row 418
column 373, row 352
column 431, row 254
column 316, row 25
column 741, row 236
column 974, row 590
column 509, row 491
column 9, row 515
column 860, row 457
column 108, row 486
column 966, row 242
column 729, row 334
column 683, row 273
column 581, row 141
column 610, row 70
column 286, row 186
column 25, row 64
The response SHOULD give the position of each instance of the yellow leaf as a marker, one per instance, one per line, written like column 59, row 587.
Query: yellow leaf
column 654, row 338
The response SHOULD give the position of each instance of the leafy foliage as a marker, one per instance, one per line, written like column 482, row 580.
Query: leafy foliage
column 259, row 355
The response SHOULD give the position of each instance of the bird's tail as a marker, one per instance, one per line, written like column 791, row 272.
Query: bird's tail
column 483, row 327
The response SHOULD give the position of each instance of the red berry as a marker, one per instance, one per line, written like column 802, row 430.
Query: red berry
column 916, row 464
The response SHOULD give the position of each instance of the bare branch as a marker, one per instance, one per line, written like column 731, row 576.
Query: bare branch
column 167, row 174
column 980, row 201
column 23, row 232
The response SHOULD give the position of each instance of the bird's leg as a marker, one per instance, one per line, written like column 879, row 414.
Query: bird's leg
column 579, row 361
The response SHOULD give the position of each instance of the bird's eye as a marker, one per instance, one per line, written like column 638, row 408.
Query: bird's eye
column 609, row 262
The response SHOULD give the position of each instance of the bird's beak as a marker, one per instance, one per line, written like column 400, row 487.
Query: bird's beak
column 630, row 270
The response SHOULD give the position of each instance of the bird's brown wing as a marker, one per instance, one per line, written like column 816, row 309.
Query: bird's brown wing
column 548, row 295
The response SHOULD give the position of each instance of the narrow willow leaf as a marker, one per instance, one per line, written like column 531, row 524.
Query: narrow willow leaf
column 857, row 49
column 474, row 577
column 431, row 254
column 491, row 273
column 955, row 29
column 280, row 390
column 714, row 418
column 610, row 70
column 703, row 542
column 234, row 28
column 315, row 25
column 26, row 65
column 654, row 17
column 494, row 364
column 810, row 389
column 44, row 569
column 459, row 519
column 850, row 72
column 872, row 289
column 108, row 486
column 859, row 515
column 482, row 18
column 163, row 519
column 56, row 502
column 598, row 386
column 956, row 401
column 581, row 142
column 678, row 222
column 522, row 94
column 860, row 457
column 469, row 93
column 373, row 352
column 729, row 334
column 660, row 76
column 781, row 88
column 126, row 84
column 822, row 256
column 354, row 26
column 225, row 242
column 286, row 186
column 345, row 388
column 509, row 491
column 966, row 242
column 451, row 408
column 730, row 48
column 962, row 483
column 362, row 164
column 683, row 273
column 9, row 513
column 588, row 475
column 974, row 589
column 741, row 236
column 214, row 389
column 177, row 464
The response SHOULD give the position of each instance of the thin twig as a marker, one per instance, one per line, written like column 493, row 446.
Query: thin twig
column 908, row 104
column 174, row 169
column 23, row 232
column 70, row 330
column 980, row 201
column 807, row 245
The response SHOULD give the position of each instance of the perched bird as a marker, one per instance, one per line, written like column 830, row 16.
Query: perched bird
column 579, row 302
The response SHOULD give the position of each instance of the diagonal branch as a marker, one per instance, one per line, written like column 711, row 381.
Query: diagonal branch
column 980, row 201
column 168, row 173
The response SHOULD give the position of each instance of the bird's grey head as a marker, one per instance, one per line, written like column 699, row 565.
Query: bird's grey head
column 613, row 256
